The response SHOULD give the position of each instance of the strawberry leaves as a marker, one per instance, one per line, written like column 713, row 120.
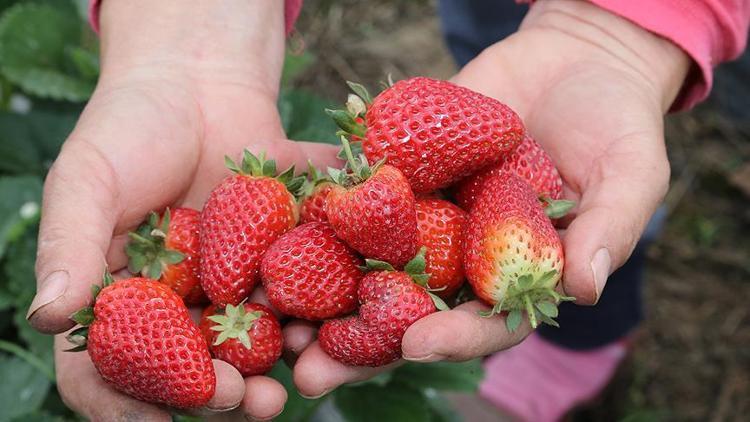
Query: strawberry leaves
column 234, row 324
column 259, row 166
column 147, row 252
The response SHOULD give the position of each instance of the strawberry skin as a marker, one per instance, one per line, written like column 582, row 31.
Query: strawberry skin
column 244, row 214
column 440, row 225
column 376, row 217
column 143, row 342
column 313, row 206
column 513, row 256
column 437, row 132
column 390, row 303
column 529, row 162
column 262, row 333
column 310, row 273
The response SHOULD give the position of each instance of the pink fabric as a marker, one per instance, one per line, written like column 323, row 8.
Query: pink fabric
column 541, row 382
column 709, row 31
column 291, row 12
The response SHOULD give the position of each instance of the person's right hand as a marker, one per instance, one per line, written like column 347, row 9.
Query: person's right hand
column 180, row 87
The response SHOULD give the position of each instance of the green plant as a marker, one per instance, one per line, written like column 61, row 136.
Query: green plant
column 48, row 68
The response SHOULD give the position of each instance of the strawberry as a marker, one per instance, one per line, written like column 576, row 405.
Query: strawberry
column 373, row 210
column 530, row 162
column 390, row 302
column 142, row 341
column 244, row 214
column 310, row 273
column 313, row 205
column 247, row 336
column 166, row 248
column 513, row 255
column 440, row 224
column 434, row 131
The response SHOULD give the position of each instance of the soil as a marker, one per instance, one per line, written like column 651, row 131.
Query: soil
column 690, row 360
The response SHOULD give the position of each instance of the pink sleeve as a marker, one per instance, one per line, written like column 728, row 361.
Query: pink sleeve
column 709, row 31
column 291, row 12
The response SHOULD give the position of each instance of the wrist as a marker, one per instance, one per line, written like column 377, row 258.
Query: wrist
column 233, row 42
column 597, row 35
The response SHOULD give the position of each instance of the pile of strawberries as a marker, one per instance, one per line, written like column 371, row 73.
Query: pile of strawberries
column 366, row 250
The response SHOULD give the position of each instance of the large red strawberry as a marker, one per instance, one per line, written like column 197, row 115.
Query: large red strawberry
column 313, row 204
column 244, row 214
column 530, row 162
column 440, row 224
column 310, row 273
column 373, row 210
column 247, row 336
column 166, row 248
column 390, row 302
column 513, row 255
column 434, row 131
column 142, row 341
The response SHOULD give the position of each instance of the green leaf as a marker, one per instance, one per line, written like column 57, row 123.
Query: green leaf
column 304, row 118
column 84, row 316
column 173, row 257
column 440, row 408
column 361, row 91
column 418, row 263
column 376, row 265
column 513, row 320
column 445, row 376
column 439, row 303
column 295, row 65
column 558, row 208
column 525, row 281
column 33, row 40
column 23, row 388
column 297, row 408
column 395, row 402
column 86, row 62
column 547, row 308
column 18, row 195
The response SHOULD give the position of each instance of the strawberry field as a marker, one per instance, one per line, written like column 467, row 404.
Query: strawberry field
column 689, row 360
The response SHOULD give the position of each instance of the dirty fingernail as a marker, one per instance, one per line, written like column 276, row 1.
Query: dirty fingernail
column 600, row 266
column 50, row 289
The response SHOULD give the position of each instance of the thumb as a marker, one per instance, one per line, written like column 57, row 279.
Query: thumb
column 616, row 204
column 74, row 234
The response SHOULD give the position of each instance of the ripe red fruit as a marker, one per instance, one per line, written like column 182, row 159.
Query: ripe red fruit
column 373, row 211
column 531, row 163
column 244, row 214
column 247, row 336
column 310, row 273
column 390, row 302
column 513, row 255
column 313, row 205
column 142, row 341
column 440, row 224
column 166, row 248
column 434, row 131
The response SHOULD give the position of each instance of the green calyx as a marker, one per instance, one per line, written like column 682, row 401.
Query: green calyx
column 314, row 177
column 85, row 317
column 147, row 252
column 259, row 166
column 356, row 170
column 530, row 296
column 234, row 324
column 557, row 208
column 351, row 120
column 416, row 270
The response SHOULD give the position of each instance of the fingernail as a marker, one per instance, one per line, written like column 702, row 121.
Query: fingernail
column 600, row 267
column 430, row 357
column 316, row 397
column 252, row 419
column 222, row 409
column 50, row 290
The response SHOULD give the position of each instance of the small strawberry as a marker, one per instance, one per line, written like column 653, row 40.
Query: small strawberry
column 166, row 248
column 391, row 301
column 247, row 336
column 513, row 255
column 313, row 205
column 372, row 209
column 530, row 162
column 434, row 131
column 244, row 214
column 310, row 273
column 440, row 224
column 142, row 341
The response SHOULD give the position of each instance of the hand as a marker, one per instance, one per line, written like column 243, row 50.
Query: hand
column 180, row 88
column 592, row 88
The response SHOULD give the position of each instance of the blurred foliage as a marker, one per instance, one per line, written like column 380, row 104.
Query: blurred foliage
column 48, row 69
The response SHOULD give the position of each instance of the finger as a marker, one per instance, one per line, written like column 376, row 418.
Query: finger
column 317, row 374
column 74, row 234
column 259, row 296
column 298, row 334
column 459, row 335
column 230, row 388
column 615, row 207
column 264, row 398
column 84, row 391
